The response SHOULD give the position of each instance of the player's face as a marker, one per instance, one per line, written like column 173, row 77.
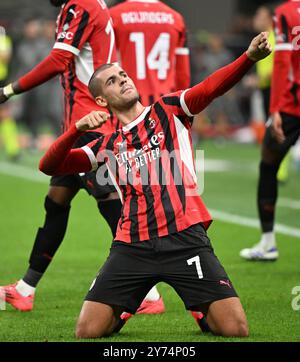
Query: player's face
column 118, row 89
column 57, row 2
column 262, row 20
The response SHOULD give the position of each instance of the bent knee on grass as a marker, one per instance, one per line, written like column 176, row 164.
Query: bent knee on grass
column 96, row 320
column 227, row 318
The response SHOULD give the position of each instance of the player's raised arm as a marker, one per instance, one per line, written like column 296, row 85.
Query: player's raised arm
column 66, row 47
column 55, row 63
column 61, row 158
column 198, row 97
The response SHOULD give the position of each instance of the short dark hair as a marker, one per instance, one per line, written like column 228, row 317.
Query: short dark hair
column 94, row 85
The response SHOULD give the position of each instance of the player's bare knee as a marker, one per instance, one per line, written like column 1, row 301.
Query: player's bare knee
column 243, row 330
column 81, row 330
column 85, row 331
column 236, row 329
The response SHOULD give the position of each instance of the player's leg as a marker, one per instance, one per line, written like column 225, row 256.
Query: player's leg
column 121, row 284
column 97, row 320
column 110, row 206
column 267, row 192
column 226, row 317
column 194, row 271
column 51, row 234
column 47, row 241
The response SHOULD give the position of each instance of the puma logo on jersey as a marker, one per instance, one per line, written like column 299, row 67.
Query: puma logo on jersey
column 75, row 13
column 225, row 282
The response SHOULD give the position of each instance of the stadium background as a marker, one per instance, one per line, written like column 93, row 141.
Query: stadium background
column 231, row 147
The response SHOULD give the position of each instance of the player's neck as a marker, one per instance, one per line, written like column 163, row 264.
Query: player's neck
column 129, row 115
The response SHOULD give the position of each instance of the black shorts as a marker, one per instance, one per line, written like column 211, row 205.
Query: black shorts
column 184, row 260
column 291, row 130
column 87, row 181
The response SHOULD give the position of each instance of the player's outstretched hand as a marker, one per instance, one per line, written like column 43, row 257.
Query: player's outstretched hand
column 3, row 97
column 92, row 120
column 259, row 47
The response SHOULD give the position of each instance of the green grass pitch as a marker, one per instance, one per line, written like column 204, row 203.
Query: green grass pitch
column 265, row 289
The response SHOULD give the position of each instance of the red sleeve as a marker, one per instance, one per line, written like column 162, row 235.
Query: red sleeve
column 61, row 159
column 75, row 26
column 198, row 97
column 282, row 60
column 55, row 63
column 74, row 29
column 183, row 71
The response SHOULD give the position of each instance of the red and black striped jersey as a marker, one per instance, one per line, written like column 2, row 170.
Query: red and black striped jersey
column 151, row 164
column 84, row 28
column 285, row 91
column 150, row 160
column 151, row 42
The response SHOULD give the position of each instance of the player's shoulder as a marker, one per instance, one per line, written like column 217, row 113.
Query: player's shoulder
column 173, row 104
column 171, row 99
column 91, row 6
column 284, row 8
column 141, row 5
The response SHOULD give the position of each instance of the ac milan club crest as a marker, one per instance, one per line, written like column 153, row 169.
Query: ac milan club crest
column 151, row 123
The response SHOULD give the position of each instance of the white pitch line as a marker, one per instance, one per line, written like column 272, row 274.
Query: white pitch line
column 23, row 172
column 30, row 174
column 252, row 223
column 214, row 165
column 289, row 203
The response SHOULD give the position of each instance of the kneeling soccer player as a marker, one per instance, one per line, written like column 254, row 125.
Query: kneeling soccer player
column 161, row 234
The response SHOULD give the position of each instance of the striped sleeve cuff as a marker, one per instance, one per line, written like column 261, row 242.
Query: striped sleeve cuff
column 182, row 51
column 91, row 157
column 283, row 46
column 67, row 47
column 183, row 104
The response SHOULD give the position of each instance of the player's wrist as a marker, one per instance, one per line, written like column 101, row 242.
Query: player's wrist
column 251, row 56
column 80, row 127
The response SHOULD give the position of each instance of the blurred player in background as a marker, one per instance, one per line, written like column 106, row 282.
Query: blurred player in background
column 28, row 53
column 283, row 129
column 263, row 21
column 84, row 40
column 8, row 128
column 151, row 44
